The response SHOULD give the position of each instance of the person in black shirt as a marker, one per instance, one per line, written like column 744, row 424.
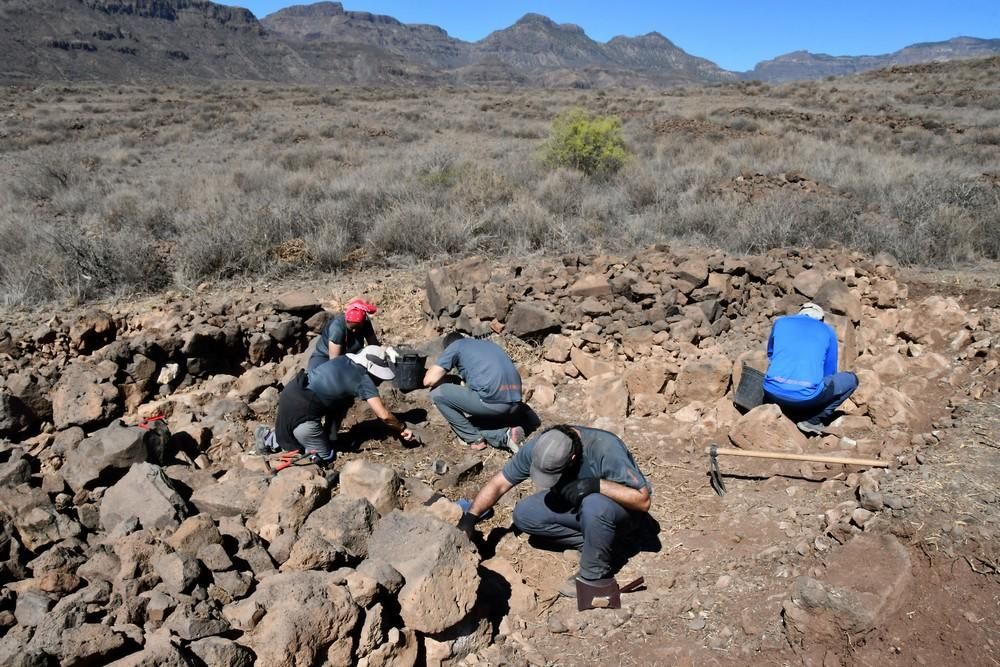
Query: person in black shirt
column 328, row 391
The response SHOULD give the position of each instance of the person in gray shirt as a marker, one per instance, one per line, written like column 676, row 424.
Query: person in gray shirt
column 488, row 409
column 590, row 491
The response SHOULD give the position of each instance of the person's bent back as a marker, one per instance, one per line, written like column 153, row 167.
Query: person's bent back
column 802, row 351
column 488, row 410
column 802, row 372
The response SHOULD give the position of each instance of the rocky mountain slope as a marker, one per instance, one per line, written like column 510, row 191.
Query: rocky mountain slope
column 170, row 40
column 106, row 39
column 534, row 47
column 322, row 43
column 325, row 22
column 800, row 65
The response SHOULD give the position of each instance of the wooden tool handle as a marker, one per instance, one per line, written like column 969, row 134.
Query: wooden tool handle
column 816, row 458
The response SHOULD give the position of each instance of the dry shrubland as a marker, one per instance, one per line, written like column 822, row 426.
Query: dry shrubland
column 116, row 189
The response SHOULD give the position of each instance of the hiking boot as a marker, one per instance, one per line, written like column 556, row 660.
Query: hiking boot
column 567, row 589
column 811, row 428
column 260, row 438
column 515, row 436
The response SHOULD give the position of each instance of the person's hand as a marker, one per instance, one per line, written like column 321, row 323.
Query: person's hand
column 406, row 434
column 574, row 492
column 467, row 524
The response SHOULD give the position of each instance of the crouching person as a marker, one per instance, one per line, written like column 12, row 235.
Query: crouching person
column 802, row 375
column 590, row 492
column 311, row 407
column 487, row 409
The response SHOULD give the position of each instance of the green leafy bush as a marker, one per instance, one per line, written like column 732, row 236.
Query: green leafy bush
column 591, row 144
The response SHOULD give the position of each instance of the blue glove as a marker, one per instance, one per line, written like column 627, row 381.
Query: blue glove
column 465, row 504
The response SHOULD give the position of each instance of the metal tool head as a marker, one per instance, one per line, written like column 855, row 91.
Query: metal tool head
column 603, row 593
column 598, row 594
column 714, row 474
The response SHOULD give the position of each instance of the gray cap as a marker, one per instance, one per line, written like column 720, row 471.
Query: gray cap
column 550, row 457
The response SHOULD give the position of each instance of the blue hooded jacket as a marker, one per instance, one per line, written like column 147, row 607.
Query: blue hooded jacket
column 802, row 351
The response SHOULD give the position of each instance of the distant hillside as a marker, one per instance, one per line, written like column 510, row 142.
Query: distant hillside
column 801, row 65
column 322, row 43
column 654, row 52
column 535, row 48
column 329, row 22
column 536, row 42
column 169, row 40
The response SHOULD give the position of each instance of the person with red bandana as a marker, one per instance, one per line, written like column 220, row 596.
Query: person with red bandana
column 346, row 333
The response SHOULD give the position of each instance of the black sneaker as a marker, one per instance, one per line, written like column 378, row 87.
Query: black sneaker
column 320, row 462
column 810, row 428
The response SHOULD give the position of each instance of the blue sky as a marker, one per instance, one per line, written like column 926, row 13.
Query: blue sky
column 735, row 35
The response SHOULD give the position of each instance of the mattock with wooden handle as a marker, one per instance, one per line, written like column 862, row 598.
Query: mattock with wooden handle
column 715, row 475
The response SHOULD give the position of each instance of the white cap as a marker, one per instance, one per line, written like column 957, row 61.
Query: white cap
column 373, row 359
column 812, row 310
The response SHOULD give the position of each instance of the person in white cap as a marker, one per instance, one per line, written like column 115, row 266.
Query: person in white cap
column 802, row 375
column 590, row 491
column 326, row 393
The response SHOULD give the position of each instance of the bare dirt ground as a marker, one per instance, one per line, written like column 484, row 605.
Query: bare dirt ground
column 715, row 589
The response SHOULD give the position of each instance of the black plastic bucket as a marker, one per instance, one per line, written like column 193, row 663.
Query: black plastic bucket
column 750, row 392
column 410, row 371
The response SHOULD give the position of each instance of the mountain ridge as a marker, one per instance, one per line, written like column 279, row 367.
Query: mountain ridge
column 803, row 64
column 534, row 44
column 324, row 43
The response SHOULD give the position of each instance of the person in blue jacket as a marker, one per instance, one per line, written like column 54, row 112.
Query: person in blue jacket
column 802, row 375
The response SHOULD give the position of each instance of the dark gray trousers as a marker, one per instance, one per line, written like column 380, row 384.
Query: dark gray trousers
column 592, row 527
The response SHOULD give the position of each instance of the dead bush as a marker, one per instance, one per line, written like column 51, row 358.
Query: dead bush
column 520, row 226
column 45, row 179
column 561, row 191
column 416, row 229
column 57, row 261
column 301, row 159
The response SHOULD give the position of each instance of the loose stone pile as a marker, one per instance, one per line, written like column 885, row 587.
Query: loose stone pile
column 164, row 545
